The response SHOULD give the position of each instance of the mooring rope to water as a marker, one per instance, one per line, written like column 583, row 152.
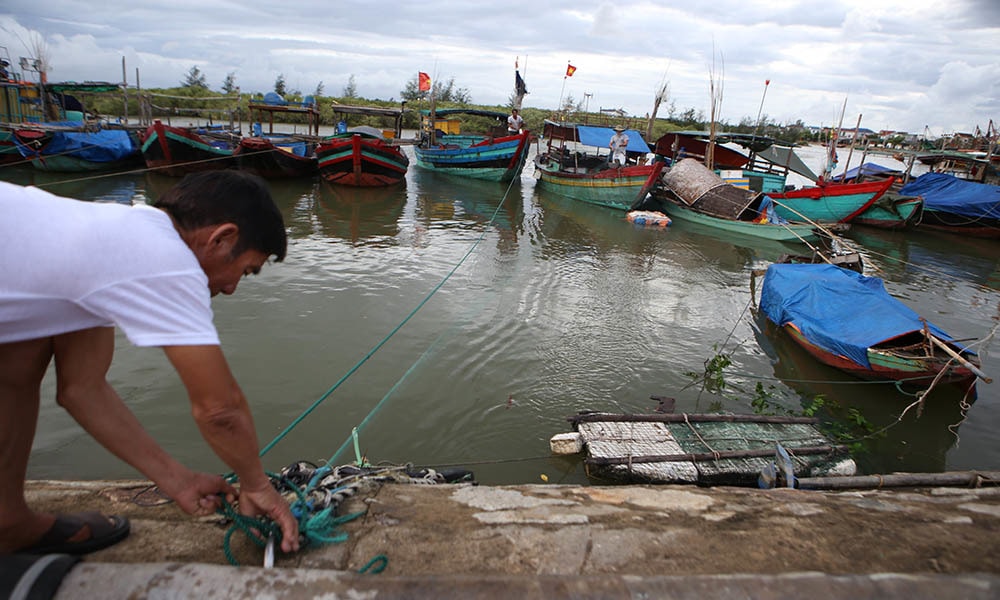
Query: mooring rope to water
column 384, row 340
column 319, row 528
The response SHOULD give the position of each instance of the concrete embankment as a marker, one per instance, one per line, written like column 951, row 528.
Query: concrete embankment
column 552, row 541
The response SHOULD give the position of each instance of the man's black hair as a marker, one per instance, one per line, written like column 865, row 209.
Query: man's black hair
column 229, row 196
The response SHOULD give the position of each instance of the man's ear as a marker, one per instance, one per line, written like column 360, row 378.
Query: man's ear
column 224, row 237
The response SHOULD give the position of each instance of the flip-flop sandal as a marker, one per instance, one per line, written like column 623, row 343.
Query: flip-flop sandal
column 104, row 531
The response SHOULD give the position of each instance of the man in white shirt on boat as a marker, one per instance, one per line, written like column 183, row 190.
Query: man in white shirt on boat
column 618, row 144
column 514, row 122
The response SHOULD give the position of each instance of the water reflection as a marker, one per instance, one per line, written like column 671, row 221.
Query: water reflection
column 925, row 255
column 116, row 188
column 360, row 216
column 558, row 306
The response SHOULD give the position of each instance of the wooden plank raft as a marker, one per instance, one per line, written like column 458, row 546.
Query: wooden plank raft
column 707, row 449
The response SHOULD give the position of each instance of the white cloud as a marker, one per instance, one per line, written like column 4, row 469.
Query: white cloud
column 903, row 64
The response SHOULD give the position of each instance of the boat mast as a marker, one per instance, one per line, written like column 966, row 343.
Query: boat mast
column 715, row 92
column 661, row 96
column 831, row 154
column 520, row 88
column 854, row 140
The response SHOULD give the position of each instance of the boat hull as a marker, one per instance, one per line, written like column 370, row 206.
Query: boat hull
column 885, row 365
column 176, row 152
column 499, row 159
column 791, row 232
column 956, row 205
column 265, row 158
column 78, row 151
column 839, row 203
column 361, row 161
column 613, row 187
column 892, row 211
column 953, row 223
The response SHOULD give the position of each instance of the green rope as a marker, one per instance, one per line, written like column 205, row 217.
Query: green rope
column 384, row 340
column 377, row 565
column 318, row 529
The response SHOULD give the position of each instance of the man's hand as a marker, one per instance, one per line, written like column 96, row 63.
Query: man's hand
column 266, row 501
column 199, row 493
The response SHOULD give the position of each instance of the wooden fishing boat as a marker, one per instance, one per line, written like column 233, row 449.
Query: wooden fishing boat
column 589, row 176
column 964, row 165
column 956, row 205
column 177, row 151
column 789, row 232
column 829, row 203
column 704, row 449
column 849, row 321
column 695, row 144
column 56, row 133
column 9, row 154
column 689, row 191
column 74, row 150
column 892, row 211
column 277, row 156
column 766, row 168
column 494, row 156
column 361, row 158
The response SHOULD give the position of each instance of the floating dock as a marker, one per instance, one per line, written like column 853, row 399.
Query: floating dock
column 704, row 449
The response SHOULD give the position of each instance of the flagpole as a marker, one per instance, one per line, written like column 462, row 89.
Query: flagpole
column 760, row 110
column 560, row 107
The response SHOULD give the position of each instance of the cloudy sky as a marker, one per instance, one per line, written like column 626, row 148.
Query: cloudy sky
column 901, row 64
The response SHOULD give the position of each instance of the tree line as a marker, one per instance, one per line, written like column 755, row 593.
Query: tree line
column 194, row 89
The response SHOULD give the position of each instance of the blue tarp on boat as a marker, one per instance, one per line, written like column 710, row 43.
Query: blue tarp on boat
column 865, row 169
column 947, row 193
column 840, row 311
column 600, row 136
column 106, row 145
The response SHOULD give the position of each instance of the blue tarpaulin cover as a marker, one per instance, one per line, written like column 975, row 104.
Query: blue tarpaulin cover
column 947, row 193
column 600, row 136
column 865, row 169
column 106, row 145
column 841, row 311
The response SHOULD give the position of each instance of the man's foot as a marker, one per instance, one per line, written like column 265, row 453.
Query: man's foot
column 80, row 533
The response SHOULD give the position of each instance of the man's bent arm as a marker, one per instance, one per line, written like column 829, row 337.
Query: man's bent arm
column 220, row 409
column 224, row 418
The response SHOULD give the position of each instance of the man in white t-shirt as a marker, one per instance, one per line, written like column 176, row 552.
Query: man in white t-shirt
column 72, row 271
column 514, row 122
column 618, row 145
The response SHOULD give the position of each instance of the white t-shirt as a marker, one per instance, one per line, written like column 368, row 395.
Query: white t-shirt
column 67, row 265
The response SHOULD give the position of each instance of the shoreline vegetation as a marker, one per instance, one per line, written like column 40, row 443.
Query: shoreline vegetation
column 195, row 103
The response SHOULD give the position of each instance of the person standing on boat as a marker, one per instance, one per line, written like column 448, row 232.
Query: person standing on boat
column 514, row 122
column 618, row 144
column 72, row 271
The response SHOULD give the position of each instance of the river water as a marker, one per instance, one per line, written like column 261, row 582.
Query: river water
column 456, row 322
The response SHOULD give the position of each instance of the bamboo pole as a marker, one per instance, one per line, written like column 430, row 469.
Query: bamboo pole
column 854, row 140
column 124, row 92
column 686, row 418
column 957, row 478
column 965, row 363
column 702, row 456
